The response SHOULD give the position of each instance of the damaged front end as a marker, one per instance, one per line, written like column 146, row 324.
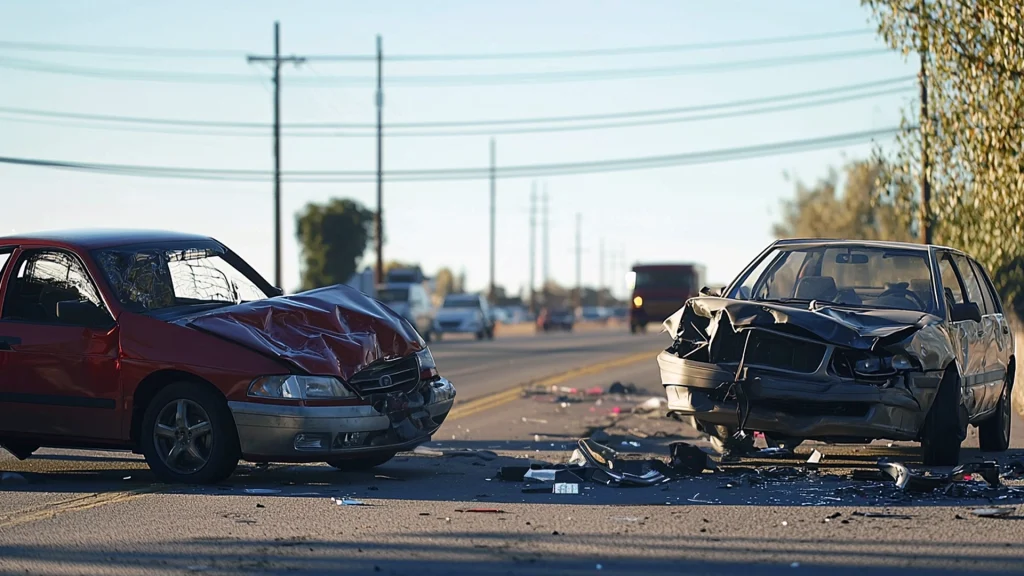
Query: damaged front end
column 820, row 372
column 362, row 381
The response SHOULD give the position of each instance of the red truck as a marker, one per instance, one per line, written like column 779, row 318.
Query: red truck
column 659, row 290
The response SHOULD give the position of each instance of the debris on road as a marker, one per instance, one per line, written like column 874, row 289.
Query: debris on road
column 12, row 479
column 349, row 502
column 624, row 389
column 993, row 512
column 262, row 491
column 453, row 452
column 566, row 488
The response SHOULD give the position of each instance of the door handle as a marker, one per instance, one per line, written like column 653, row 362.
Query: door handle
column 8, row 342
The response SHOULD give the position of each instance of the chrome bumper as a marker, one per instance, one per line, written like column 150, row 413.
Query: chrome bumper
column 271, row 432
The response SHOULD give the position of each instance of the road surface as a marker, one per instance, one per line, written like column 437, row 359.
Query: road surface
column 92, row 513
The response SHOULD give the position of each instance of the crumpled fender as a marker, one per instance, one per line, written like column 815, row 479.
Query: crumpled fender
column 332, row 331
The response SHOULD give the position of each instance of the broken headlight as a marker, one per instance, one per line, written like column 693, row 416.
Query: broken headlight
column 878, row 364
column 296, row 387
column 428, row 369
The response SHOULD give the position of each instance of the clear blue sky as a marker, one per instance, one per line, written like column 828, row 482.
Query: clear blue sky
column 719, row 214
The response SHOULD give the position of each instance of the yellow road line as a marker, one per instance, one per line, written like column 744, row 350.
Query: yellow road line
column 77, row 504
column 490, row 401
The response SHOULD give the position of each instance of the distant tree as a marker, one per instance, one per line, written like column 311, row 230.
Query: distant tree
column 819, row 211
column 333, row 238
column 444, row 282
column 395, row 264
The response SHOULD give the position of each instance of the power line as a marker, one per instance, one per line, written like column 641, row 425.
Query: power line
column 585, row 53
column 441, row 80
column 394, row 130
column 524, row 171
column 551, row 54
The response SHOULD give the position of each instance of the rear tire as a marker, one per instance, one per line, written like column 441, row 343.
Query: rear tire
column 205, row 438
column 942, row 434
column 362, row 463
column 994, row 433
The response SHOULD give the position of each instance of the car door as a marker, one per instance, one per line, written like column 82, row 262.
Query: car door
column 966, row 335
column 59, row 375
column 988, row 374
column 1000, row 343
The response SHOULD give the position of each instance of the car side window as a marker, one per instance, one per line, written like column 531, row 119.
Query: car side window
column 42, row 279
column 970, row 281
column 986, row 305
column 951, row 285
column 996, row 305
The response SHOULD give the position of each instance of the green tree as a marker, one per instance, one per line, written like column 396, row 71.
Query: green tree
column 333, row 239
column 974, row 66
column 444, row 282
column 819, row 211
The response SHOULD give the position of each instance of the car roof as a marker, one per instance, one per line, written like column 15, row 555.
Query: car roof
column 849, row 242
column 92, row 238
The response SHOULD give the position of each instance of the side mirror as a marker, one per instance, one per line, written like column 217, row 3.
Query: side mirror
column 965, row 311
column 83, row 313
column 708, row 291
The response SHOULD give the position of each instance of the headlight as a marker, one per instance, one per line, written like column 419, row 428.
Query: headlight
column 428, row 369
column 298, row 387
column 638, row 302
column 875, row 364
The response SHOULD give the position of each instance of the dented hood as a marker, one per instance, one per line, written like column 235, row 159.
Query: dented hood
column 863, row 329
column 332, row 331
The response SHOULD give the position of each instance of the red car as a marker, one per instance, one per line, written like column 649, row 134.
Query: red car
column 172, row 346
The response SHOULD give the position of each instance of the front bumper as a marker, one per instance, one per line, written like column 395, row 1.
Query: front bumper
column 271, row 432
column 798, row 406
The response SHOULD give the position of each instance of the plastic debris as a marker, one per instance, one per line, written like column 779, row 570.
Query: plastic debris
column 620, row 388
column 565, row 488
column 993, row 512
column 534, row 420
column 815, row 459
column 452, row 452
column 773, row 452
column 349, row 502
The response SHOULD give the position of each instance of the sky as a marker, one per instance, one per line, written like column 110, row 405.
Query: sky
column 716, row 214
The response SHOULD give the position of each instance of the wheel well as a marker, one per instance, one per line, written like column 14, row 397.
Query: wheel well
column 1011, row 371
column 151, row 386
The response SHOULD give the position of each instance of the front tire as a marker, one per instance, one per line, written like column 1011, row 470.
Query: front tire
column 994, row 433
column 188, row 435
column 942, row 435
column 362, row 463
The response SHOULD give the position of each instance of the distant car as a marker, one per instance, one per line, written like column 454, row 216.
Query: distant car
column 172, row 346
column 464, row 314
column 593, row 314
column 847, row 341
column 412, row 302
column 556, row 319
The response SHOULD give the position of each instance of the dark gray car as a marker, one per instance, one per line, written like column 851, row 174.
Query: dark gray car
column 847, row 341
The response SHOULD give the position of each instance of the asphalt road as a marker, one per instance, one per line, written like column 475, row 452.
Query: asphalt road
column 89, row 513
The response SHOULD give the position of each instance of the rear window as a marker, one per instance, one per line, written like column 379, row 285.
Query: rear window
column 667, row 278
column 461, row 302
column 393, row 295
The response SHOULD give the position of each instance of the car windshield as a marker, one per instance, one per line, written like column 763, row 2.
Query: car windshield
column 393, row 294
column 153, row 278
column 845, row 275
column 454, row 302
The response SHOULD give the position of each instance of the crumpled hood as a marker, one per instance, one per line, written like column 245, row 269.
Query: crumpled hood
column 332, row 331
column 457, row 314
column 862, row 329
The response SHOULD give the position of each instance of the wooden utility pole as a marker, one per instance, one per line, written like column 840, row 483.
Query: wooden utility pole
column 493, row 193
column 533, row 246
column 276, row 59
column 579, row 258
column 379, row 227
column 925, row 126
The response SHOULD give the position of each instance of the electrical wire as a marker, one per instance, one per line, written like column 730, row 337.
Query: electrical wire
column 551, row 54
column 451, row 174
column 442, row 80
column 388, row 133
column 208, row 124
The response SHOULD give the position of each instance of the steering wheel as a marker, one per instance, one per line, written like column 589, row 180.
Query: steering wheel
column 901, row 290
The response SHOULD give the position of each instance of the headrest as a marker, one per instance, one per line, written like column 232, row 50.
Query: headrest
column 816, row 288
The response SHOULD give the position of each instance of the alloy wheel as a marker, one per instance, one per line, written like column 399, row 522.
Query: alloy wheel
column 183, row 436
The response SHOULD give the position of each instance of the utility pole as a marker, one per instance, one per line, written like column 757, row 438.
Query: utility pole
column 492, row 294
column 600, row 284
column 533, row 245
column 544, row 242
column 926, row 187
column 579, row 268
column 379, row 228
column 277, row 60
